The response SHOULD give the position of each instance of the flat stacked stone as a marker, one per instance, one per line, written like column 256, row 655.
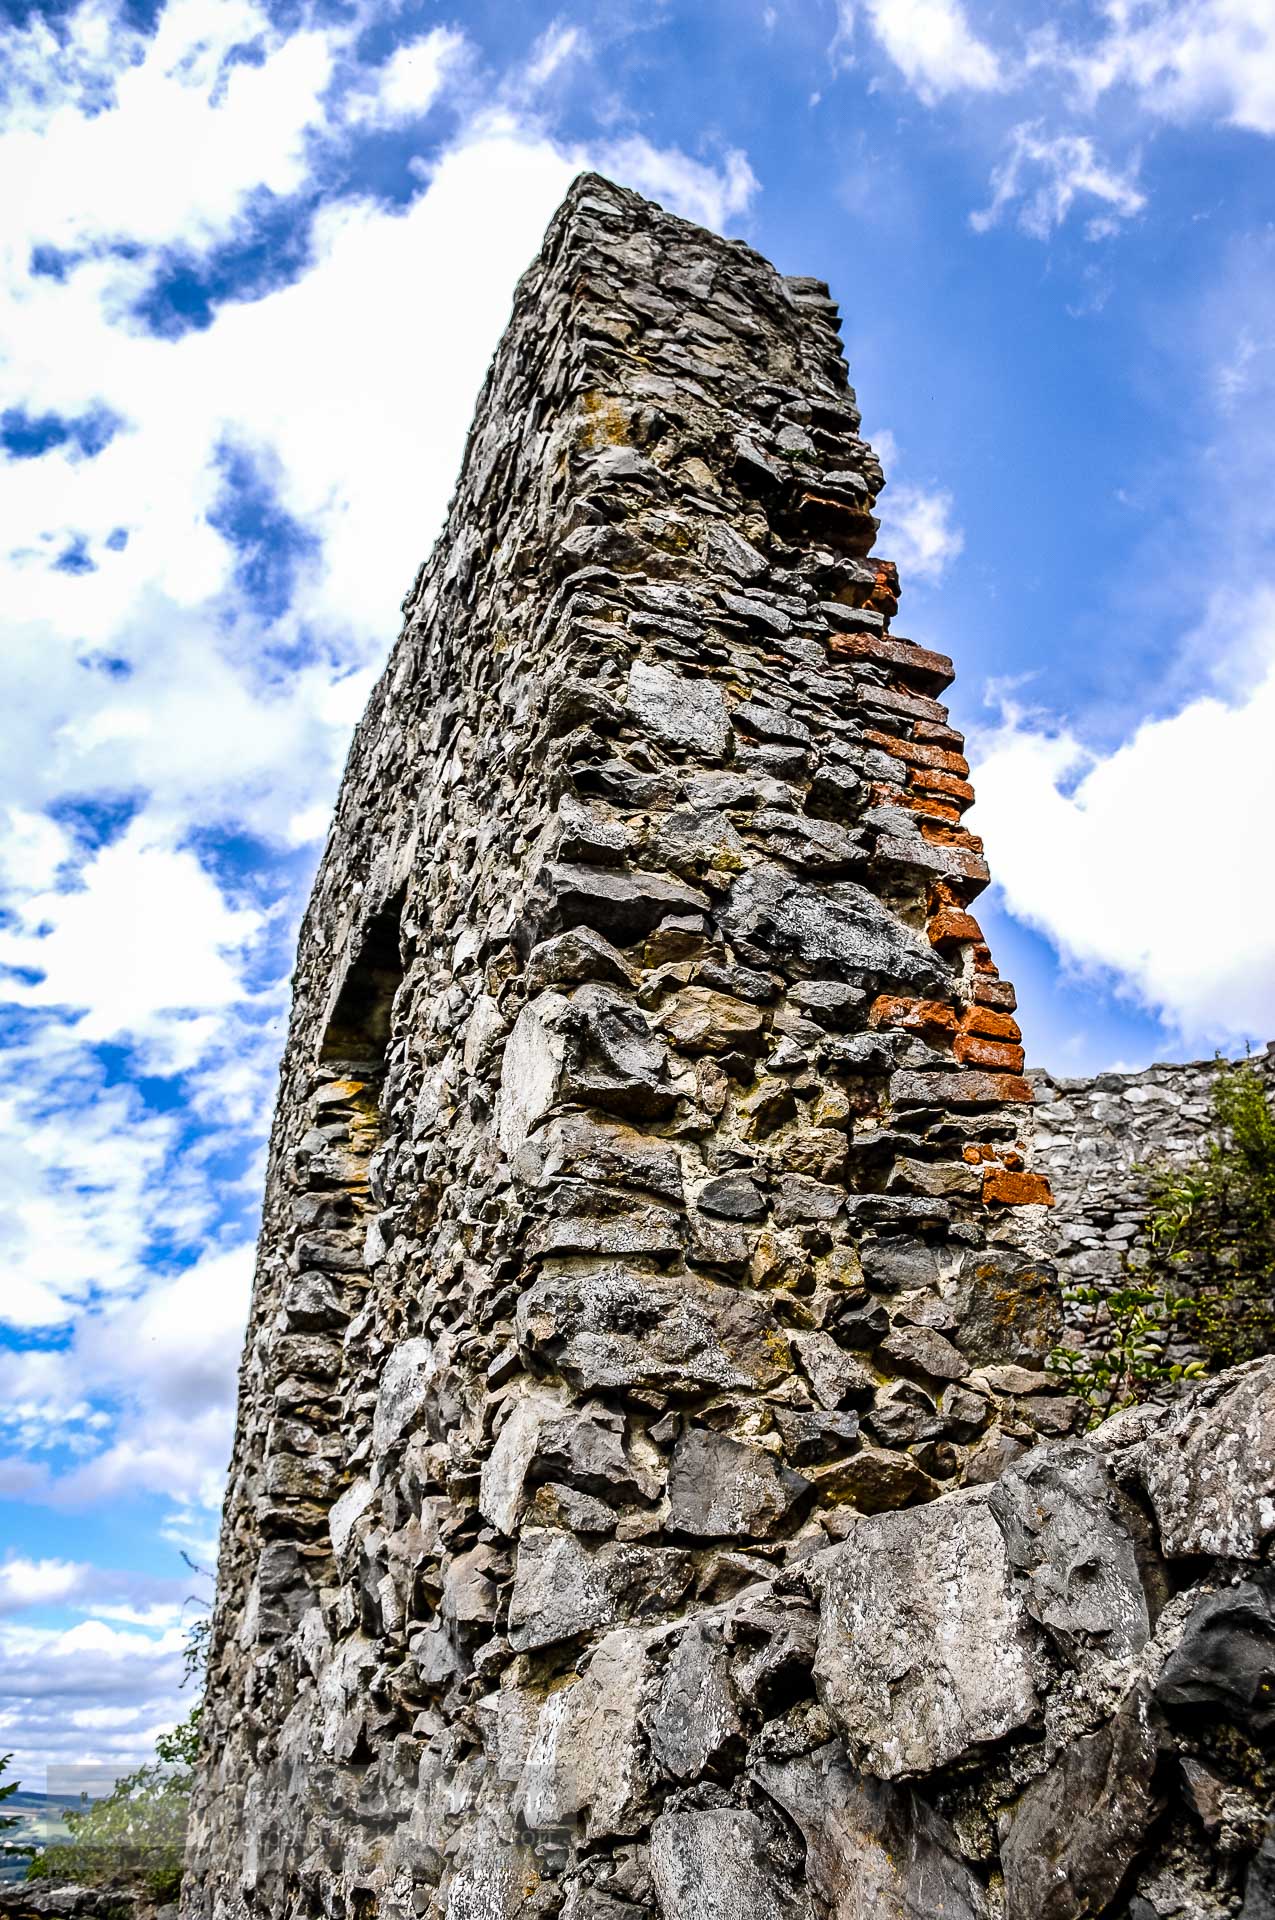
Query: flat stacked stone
column 648, row 1215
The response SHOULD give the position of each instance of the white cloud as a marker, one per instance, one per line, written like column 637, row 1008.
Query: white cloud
column 1187, row 59
column 185, row 137
column 26, row 1583
column 934, row 47
column 919, row 531
column 409, row 82
column 1138, row 863
column 712, row 196
column 89, row 1697
column 1044, row 176
column 163, row 1358
column 84, row 1182
column 555, row 49
column 143, row 946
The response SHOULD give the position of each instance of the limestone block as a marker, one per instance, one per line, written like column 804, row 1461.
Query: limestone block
column 587, row 1763
column 1223, row 1663
column 613, row 1328
column 590, row 1147
column 544, row 1438
column 723, row 1488
column 840, row 930
column 345, row 1513
column 1074, row 1832
column 1068, row 1531
column 713, row 1865
column 563, row 1588
column 678, row 710
column 693, row 1722
column 873, row 1851
column 592, row 1048
column 1210, row 1469
column 621, row 906
column 924, row 1646
column 406, row 1396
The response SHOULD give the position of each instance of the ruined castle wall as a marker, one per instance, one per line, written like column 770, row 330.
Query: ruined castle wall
column 1090, row 1138
column 649, row 1229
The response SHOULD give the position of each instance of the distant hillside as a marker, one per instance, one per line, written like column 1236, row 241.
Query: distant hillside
column 42, row 1817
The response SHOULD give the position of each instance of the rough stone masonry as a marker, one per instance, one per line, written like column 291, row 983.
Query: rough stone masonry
column 648, row 1499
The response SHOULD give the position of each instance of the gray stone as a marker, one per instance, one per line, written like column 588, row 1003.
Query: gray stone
column 1007, row 1308
column 694, row 1722
column 563, row 1589
column 406, row 1397
column 545, row 1439
column 623, row 906
column 678, row 711
column 922, row 1350
column 586, row 1766
column 346, row 1512
column 873, row 1851
column 615, row 1328
column 1075, row 1832
column 604, row 1152
column 924, row 1648
column 722, row 1488
column 695, row 838
column 580, row 954
column 839, row 929
column 713, row 1865
column 1224, row 1665
column 492, row 1879
column 812, row 846
column 1210, row 1470
column 769, row 723
column 731, row 1196
column 591, row 1049
column 835, row 1375
column 1067, row 1529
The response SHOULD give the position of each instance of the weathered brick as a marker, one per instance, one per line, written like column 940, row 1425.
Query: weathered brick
column 918, row 752
column 999, row 1055
column 954, row 837
column 931, row 780
column 924, row 805
column 928, row 1017
column 950, row 926
column 930, row 672
column 1005, row 1188
column 941, row 734
column 913, row 706
column 995, row 993
column 991, row 1024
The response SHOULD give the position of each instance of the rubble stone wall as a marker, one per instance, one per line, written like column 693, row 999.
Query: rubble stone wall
column 651, row 1300
column 1091, row 1137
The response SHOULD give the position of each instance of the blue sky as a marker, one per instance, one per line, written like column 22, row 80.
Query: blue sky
column 253, row 260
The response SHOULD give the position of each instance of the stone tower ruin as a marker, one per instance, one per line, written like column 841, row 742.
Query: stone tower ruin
column 636, row 1506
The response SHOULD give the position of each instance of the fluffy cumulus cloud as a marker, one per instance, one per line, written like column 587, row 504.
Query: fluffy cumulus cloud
column 82, row 1704
column 245, row 320
column 1124, row 861
column 1186, row 59
column 919, row 531
column 934, row 47
column 1141, row 856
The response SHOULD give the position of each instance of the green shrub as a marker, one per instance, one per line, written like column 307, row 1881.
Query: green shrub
column 1209, row 1228
column 136, row 1835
